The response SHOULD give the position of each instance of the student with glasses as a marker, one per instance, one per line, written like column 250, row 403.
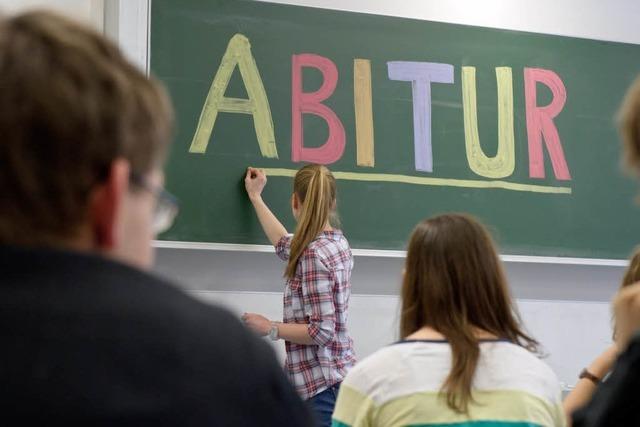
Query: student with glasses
column 167, row 205
column 88, row 336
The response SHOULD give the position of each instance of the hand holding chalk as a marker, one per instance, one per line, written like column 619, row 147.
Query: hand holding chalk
column 254, row 182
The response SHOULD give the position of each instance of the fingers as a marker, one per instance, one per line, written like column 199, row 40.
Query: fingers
column 253, row 173
column 254, row 182
column 246, row 317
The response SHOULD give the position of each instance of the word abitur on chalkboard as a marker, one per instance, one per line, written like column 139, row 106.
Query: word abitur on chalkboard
column 421, row 75
column 414, row 118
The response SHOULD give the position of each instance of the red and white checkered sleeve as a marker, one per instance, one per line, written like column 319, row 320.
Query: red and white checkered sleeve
column 317, row 282
column 283, row 247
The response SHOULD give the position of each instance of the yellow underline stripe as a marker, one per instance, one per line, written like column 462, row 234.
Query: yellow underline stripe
column 420, row 180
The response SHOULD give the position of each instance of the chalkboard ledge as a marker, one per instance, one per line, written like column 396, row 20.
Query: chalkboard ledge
column 167, row 244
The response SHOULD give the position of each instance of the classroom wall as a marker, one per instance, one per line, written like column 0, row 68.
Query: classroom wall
column 88, row 11
column 127, row 23
column 614, row 20
column 564, row 306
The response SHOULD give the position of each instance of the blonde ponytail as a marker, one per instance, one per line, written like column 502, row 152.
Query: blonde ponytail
column 315, row 188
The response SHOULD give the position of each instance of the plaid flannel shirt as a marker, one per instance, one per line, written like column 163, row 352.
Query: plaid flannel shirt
column 318, row 295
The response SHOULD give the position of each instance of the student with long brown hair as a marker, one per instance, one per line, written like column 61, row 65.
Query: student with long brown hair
column 316, row 295
column 464, row 358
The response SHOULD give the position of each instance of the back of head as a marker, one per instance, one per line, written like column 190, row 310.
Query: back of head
column 455, row 284
column 631, row 276
column 315, row 188
column 629, row 124
column 71, row 104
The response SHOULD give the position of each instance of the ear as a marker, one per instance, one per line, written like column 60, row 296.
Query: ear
column 106, row 203
column 295, row 203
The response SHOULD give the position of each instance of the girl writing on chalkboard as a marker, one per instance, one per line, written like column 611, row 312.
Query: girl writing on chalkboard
column 463, row 359
column 316, row 294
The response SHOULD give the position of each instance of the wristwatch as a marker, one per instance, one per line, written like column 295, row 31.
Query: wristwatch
column 273, row 332
column 588, row 375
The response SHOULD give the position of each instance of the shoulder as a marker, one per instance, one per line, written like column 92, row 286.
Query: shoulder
column 188, row 315
column 204, row 352
column 377, row 362
column 173, row 326
column 387, row 373
column 202, row 341
column 161, row 296
column 510, row 366
column 329, row 248
column 364, row 376
column 516, row 357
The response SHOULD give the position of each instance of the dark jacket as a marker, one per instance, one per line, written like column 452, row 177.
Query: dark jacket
column 85, row 339
column 615, row 402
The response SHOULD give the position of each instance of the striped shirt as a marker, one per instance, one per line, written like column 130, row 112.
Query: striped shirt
column 399, row 386
column 318, row 295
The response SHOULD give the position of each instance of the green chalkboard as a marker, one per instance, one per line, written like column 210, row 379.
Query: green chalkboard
column 590, row 215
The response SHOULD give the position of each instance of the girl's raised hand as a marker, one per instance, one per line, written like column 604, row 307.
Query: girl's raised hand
column 254, row 182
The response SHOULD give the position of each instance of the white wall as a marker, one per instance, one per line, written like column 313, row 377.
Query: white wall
column 127, row 23
column 88, row 11
column 565, row 307
column 373, row 322
column 614, row 20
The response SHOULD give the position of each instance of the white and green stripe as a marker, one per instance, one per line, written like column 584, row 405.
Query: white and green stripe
column 399, row 386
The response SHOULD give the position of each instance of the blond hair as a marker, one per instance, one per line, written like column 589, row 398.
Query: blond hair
column 315, row 188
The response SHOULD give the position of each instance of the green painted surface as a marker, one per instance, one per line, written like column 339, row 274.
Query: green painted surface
column 598, row 219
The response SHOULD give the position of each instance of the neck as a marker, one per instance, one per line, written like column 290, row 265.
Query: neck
column 428, row 333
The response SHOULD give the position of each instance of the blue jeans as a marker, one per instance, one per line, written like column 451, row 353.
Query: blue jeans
column 322, row 405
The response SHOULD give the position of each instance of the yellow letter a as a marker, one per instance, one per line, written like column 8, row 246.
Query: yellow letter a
column 238, row 53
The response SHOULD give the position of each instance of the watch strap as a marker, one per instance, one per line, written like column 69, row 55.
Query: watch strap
column 273, row 332
column 588, row 375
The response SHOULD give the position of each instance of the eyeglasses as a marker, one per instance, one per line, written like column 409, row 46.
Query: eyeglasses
column 167, row 205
